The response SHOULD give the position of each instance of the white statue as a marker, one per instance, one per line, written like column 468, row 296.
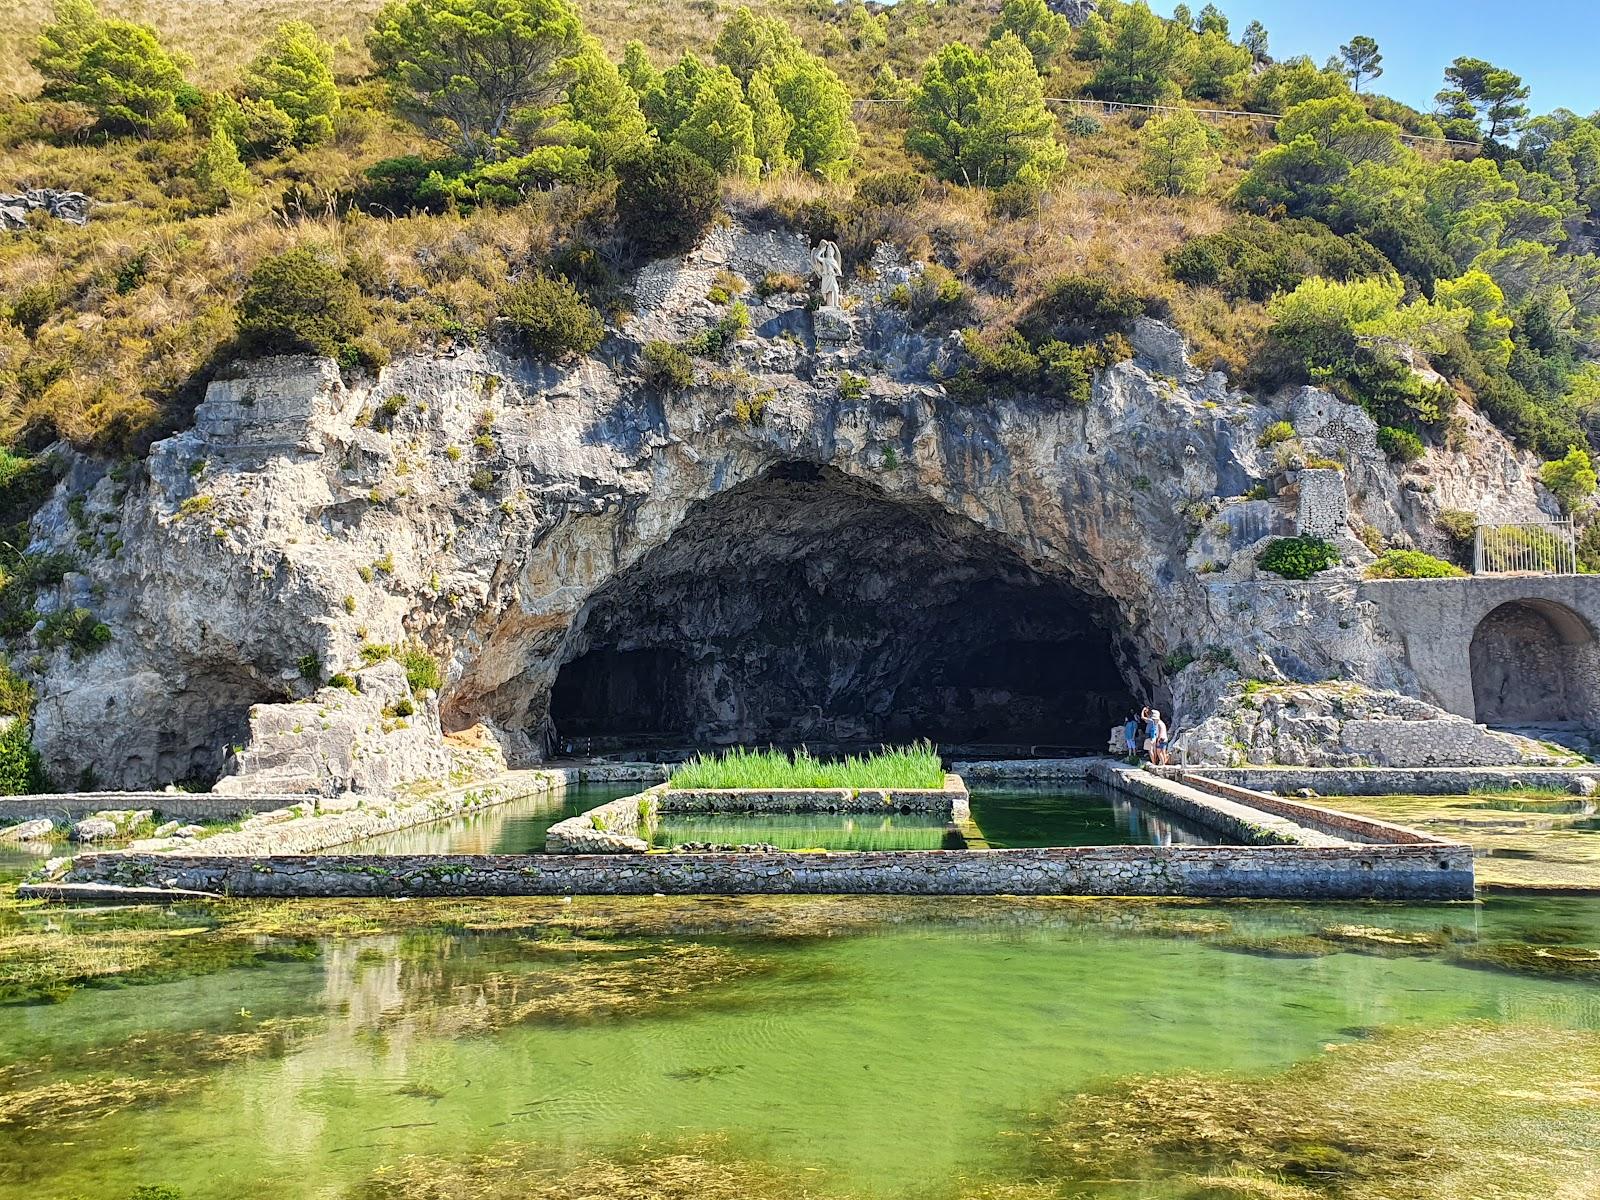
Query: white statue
column 828, row 266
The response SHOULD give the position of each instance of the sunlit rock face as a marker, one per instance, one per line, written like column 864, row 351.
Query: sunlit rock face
column 803, row 545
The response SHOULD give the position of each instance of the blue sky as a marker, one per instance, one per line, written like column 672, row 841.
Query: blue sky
column 1553, row 45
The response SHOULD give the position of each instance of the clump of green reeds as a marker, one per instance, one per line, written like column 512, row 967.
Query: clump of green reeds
column 913, row 766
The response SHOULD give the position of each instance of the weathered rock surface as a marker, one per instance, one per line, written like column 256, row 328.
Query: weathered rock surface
column 504, row 505
column 1345, row 725
column 28, row 831
column 109, row 824
column 71, row 207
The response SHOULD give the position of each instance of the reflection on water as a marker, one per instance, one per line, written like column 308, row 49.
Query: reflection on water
column 1090, row 815
column 517, row 827
column 934, row 1032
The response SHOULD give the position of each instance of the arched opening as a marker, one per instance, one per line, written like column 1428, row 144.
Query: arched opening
column 1535, row 663
column 805, row 606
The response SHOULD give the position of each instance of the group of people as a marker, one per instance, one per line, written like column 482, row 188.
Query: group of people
column 1146, row 736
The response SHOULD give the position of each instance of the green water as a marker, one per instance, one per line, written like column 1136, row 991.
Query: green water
column 514, row 828
column 882, row 1056
column 808, row 831
column 1012, row 818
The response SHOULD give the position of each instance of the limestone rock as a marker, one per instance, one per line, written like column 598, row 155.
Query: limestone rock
column 28, row 831
column 1585, row 785
column 93, row 829
column 1346, row 725
column 492, row 514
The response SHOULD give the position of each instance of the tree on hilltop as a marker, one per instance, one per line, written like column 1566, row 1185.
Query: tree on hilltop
column 473, row 71
column 1361, row 60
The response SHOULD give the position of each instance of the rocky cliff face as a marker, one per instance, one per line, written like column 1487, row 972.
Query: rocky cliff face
column 802, row 544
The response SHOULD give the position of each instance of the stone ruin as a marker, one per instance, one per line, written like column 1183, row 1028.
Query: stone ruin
column 71, row 207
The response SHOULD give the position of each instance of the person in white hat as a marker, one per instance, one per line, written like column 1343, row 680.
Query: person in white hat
column 1155, row 740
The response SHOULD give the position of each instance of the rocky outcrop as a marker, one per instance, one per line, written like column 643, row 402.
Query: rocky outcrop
column 515, row 518
column 71, row 207
column 1346, row 725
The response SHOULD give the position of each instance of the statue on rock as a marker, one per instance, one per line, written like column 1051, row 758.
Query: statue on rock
column 832, row 326
column 828, row 266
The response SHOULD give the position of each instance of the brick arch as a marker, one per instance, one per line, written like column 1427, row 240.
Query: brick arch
column 1535, row 662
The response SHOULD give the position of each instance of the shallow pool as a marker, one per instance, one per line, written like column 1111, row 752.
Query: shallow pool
column 516, row 827
column 863, row 1047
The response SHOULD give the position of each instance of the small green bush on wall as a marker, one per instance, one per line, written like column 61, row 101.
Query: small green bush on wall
column 1298, row 557
column 1401, row 445
column 1412, row 564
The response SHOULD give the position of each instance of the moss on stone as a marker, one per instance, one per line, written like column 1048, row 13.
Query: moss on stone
column 1447, row 1113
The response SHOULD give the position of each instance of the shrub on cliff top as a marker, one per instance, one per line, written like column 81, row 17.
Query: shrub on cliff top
column 1401, row 445
column 665, row 200
column 300, row 303
column 1298, row 557
column 549, row 318
column 1412, row 564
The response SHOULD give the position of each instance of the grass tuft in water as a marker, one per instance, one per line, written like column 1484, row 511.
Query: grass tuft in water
column 913, row 766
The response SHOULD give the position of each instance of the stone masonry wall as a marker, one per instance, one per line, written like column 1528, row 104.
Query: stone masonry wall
column 1398, row 781
column 1441, row 872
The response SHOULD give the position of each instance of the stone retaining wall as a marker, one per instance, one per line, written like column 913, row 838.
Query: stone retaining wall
column 1397, row 781
column 1026, row 770
column 615, row 828
column 612, row 828
column 1233, row 819
column 171, row 806
column 1330, row 821
column 1436, row 872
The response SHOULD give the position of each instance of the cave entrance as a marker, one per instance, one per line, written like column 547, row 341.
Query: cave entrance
column 805, row 606
column 1535, row 662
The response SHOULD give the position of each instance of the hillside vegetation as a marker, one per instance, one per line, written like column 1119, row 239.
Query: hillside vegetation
column 275, row 176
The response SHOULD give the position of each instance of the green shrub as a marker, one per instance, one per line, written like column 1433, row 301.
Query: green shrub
column 298, row 302
column 549, row 318
column 423, row 671
column 1571, row 480
column 722, row 333
column 667, row 366
column 887, row 189
column 116, row 69
column 666, row 198
column 1589, row 549
column 1401, row 445
column 310, row 667
column 1412, row 564
column 852, row 388
column 21, row 771
column 1257, row 258
column 342, row 680
column 16, row 694
column 1459, row 526
column 1272, row 435
column 77, row 629
column 1080, row 307
column 1298, row 557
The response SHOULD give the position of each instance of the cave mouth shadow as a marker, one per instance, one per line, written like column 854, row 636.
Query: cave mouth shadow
column 808, row 607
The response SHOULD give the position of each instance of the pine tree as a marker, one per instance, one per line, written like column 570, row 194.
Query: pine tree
column 981, row 118
column 294, row 75
column 1043, row 32
column 118, row 70
column 719, row 126
column 1362, row 61
column 1178, row 156
column 219, row 172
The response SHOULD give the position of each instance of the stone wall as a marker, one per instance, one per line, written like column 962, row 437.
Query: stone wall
column 1398, row 781
column 616, row 827
column 172, row 806
column 1238, row 821
column 1436, row 872
column 613, row 828
column 1437, row 621
column 1026, row 770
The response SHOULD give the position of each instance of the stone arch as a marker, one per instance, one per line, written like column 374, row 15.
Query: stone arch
column 805, row 604
column 1535, row 662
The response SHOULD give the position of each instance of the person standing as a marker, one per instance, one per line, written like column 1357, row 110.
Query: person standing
column 1130, row 738
column 1156, row 734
